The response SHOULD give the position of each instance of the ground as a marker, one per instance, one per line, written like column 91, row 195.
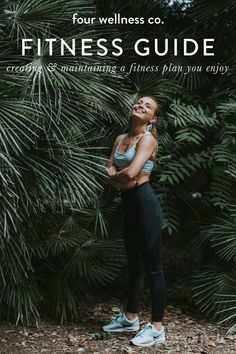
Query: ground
column 184, row 334
column 187, row 330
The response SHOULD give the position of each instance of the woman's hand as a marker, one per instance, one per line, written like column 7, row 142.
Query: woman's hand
column 123, row 185
column 116, row 183
column 111, row 171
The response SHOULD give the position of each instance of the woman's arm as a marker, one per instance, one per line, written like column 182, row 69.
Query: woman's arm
column 147, row 144
column 110, row 167
column 122, row 185
column 112, row 171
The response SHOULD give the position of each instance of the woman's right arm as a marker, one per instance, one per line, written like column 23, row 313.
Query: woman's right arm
column 111, row 168
column 112, row 171
column 122, row 185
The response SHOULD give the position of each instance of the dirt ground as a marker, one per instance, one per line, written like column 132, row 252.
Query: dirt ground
column 184, row 334
column 187, row 332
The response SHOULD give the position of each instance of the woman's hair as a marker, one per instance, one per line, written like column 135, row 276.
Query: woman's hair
column 157, row 111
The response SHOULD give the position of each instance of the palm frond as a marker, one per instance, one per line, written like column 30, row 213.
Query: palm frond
column 64, row 299
column 96, row 261
column 27, row 17
column 146, row 83
column 219, row 193
column 168, row 204
column 64, row 241
column 227, row 157
column 208, row 13
column 19, row 125
column 187, row 115
column 210, row 287
column 175, row 171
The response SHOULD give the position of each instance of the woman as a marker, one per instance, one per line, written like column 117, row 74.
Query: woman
column 129, row 169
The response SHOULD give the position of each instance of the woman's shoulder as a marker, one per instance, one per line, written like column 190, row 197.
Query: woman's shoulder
column 119, row 138
column 148, row 137
column 147, row 140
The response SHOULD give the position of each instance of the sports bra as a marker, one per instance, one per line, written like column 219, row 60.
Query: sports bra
column 123, row 159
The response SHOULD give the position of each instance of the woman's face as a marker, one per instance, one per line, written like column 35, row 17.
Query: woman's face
column 144, row 109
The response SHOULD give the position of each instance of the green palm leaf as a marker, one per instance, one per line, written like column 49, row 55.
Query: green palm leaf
column 209, row 289
column 96, row 261
column 209, row 12
column 27, row 18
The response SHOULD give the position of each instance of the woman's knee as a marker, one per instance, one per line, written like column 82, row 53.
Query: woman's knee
column 156, row 273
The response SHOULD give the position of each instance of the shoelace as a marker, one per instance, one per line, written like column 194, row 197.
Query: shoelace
column 118, row 318
column 147, row 329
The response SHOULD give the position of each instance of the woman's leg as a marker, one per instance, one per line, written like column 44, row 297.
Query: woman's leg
column 135, row 269
column 153, row 256
column 134, row 258
column 143, row 223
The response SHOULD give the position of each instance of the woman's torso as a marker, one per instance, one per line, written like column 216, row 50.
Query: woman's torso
column 124, row 154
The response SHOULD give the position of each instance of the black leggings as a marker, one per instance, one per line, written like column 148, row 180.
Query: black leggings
column 143, row 242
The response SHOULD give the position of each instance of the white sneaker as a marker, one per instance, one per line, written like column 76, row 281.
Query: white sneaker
column 122, row 324
column 149, row 336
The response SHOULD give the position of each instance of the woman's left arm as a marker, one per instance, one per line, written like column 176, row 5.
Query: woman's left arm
column 147, row 144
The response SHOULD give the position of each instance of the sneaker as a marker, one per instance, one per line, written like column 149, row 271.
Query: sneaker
column 149, row 336
column 122, row 324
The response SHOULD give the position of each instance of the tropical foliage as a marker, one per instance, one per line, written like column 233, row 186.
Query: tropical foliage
column 53, row 246
column 59, row 224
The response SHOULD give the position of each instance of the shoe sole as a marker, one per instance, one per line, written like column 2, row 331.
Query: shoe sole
column 149, row 344
column 119, row 330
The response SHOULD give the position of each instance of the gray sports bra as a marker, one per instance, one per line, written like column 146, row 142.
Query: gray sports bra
column 123, row 159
